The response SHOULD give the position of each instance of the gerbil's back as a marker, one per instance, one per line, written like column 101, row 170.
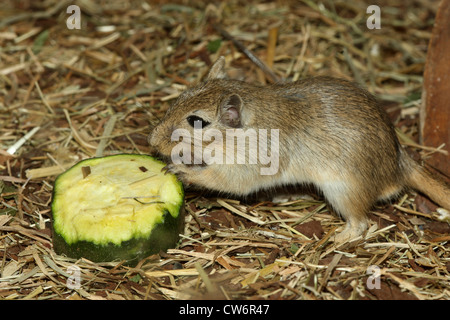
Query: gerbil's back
column 338, row 105
column 332, row 96
column 343, row 124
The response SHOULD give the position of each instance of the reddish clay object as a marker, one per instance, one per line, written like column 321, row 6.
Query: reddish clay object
column 435, row 112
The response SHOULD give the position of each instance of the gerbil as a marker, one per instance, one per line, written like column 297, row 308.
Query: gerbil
column 332, row 134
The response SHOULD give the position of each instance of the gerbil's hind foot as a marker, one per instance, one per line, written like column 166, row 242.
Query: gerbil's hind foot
column 352, row 204
column 351, row 231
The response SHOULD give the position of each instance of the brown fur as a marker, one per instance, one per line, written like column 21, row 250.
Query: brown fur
column 332, row 134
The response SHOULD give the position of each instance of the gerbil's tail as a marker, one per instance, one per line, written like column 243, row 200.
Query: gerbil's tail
column 421, row 179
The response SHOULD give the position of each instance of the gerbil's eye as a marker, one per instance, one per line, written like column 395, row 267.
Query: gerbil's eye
column 197, row 122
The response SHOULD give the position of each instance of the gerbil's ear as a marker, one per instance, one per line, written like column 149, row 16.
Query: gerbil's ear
column 230, row 111
column 217, row 70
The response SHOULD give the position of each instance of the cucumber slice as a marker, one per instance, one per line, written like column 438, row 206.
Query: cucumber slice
column 119, row 207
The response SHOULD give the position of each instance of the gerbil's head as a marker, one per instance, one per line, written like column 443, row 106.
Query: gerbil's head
column 215, row 104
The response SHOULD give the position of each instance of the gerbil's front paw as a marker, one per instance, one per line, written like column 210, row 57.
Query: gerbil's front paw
column 176, row 169
column 180, row 170
column 169, row 168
